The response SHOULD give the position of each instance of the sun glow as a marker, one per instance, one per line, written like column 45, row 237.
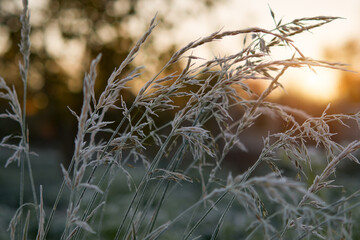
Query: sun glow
column 320, row 86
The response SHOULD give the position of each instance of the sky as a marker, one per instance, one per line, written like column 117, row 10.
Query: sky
column 235, row 14
column 232, row 15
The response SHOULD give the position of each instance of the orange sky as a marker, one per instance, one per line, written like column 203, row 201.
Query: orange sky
column 241, row 14
column 236, row 14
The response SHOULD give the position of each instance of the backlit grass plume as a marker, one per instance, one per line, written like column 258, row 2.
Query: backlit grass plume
column 179, row 189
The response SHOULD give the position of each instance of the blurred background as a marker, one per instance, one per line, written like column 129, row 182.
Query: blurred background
column 66, row 35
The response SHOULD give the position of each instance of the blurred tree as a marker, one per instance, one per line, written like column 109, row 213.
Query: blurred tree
column 66, row 35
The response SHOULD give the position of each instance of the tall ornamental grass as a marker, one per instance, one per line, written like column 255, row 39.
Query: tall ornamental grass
column 179, row 189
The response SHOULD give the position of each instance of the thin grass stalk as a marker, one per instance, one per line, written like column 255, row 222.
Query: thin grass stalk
column 346, row 210
column 259, row 101
column 152, row 198
column 53, row 209
column 185, row 172
column 104, row 199
column 172, row 165
column 93, row 199
column 129, row 59
column 157, row 210
column 250, row 236
column 41, row 221
column 249, row 116
column 171, row 190
column 94, row 196
column 102, row 179
column 58, row 196
column 330, row 168
column 329, row 207
column 181, row 215
column 24, row 69
column 204, row 216
column 172, row 168
column 118, row 232
column 78, row 145
column 150, row 201
column 116, row 131
column 25, row 51
column 188, row 225
column 269, row 89
column 32, row 183
column 145, row 181
column 258, row 161
column 221, row 220
column 26, row 226
column 21, row 200
column 192, row 164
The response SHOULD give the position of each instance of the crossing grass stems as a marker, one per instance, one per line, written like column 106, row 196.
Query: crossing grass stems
column 275, row 206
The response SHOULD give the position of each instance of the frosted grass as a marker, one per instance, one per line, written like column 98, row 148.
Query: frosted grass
column 189, row 150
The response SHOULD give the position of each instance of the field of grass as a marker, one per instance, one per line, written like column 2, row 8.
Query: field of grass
column 133, row 176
